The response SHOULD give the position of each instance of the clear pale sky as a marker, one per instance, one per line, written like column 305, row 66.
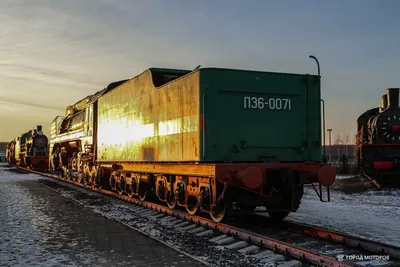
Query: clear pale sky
column 53, row 53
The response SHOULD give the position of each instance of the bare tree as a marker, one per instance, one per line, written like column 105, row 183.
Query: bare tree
column 337, row 141
column 354, row 139
column 354, row 142
column 346, row 140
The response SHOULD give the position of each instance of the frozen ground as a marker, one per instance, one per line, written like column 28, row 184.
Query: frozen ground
column 144, row 221
column 344, row 176
column 38, row 227
column 371, row 214
column 33, row 233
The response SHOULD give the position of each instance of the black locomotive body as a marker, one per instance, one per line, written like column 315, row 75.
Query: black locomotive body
column 378, row 141
column 29, row 150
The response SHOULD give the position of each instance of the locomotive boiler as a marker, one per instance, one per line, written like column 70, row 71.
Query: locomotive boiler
column 207, row 140
column 378, row 140
column 29, row 150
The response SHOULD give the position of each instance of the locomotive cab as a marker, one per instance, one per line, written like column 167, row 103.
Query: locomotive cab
column 73, row 137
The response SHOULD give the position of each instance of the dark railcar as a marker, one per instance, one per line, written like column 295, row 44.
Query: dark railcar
column 10, row 153
column 378, row 141
column 31, row 150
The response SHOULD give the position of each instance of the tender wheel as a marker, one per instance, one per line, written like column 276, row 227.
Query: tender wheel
column 142, row 191
column 278, row 215
column 192, row 205
column 171, row 201
column 129, row 192
column 218, row 212
column 119, row 189
column 247, row 207
column 99, row 179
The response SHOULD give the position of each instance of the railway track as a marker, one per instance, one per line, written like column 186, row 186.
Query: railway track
column 256, row 240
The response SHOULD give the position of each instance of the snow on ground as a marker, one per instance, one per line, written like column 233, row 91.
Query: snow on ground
column 9, row 173
column 21, row 225
column 344, row 176
column 32, row 233
column 38, row 227
column 371, row 214
column 128, row 214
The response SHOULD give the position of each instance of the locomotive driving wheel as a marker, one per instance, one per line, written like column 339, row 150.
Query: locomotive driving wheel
column 84, row 178
column 61, row 174
column 78, row 178
column 391, row 129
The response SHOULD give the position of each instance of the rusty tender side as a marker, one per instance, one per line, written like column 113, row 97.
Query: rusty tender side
column 29, row 150
column 209, row 139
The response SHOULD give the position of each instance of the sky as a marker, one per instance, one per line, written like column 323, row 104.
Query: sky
column 53, row 53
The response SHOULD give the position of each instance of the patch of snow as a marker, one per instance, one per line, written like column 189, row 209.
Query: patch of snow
column 371, row 214
column 129, row 214
column 343, row 176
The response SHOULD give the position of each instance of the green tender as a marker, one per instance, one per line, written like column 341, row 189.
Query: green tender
column 213, row 115
column 253, row 116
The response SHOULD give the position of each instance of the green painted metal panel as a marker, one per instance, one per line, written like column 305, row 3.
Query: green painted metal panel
column 258, row 116
column 139, row 121
column 25, row 137
column 211, row 115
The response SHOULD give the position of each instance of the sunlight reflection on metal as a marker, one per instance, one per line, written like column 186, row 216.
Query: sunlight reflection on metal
column 116, row 132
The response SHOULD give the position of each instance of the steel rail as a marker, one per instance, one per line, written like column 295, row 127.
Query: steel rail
column 276, row 246
column 345, row 239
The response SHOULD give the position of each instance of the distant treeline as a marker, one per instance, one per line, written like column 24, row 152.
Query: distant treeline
column 3, row 146
column 337, row 151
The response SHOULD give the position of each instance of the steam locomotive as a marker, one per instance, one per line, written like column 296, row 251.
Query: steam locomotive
column 378, row 141
column 206, row 140
column 29, row 150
